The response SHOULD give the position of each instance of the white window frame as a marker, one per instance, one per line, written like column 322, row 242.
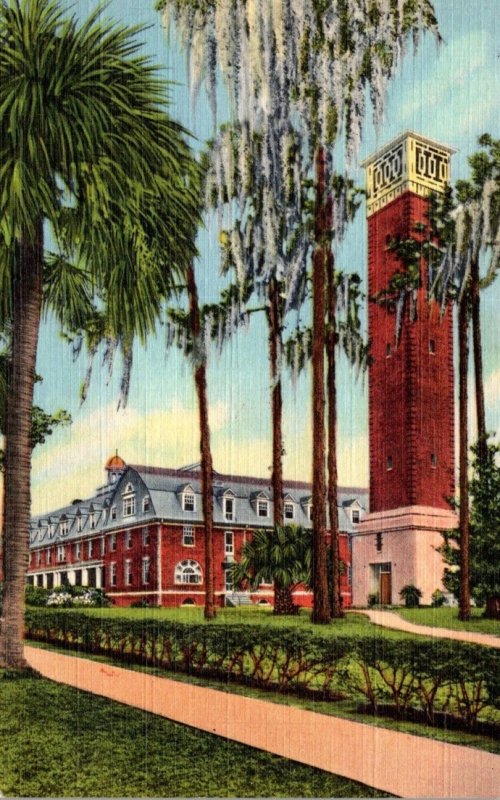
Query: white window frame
column 92, row 520
column 113, row 513
column 228, row 580
column 289, row 504
column 77, row 551
column 229, row 515
column 190, row 568
column 128, row 539
column 61, row 553
column 146, row 504
column 38, row 557
column 188, row 499
column 146, row 536
column 355, row 516
column 188, row 534
column 146, row 567
column 129, row 505
column 48, row 555
column 112, row 543
column 128, row 572
column 90, row 548
column 79, row 523
column 112, row 573
column 262, row 507
column 229, row 543
column 103, row 545
column 63, row 527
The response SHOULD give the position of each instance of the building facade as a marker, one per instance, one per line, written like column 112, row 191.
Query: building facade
column 141, row 535
column 411, row 386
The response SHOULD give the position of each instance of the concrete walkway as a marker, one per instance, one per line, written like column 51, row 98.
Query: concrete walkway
column 399, row 763
column 389, row 619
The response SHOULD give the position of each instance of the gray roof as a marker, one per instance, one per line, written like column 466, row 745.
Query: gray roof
column 164, row 487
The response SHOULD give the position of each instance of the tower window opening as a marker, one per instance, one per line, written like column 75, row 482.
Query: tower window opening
column 388, row 350
column 432, row 346
column 389, row 462
column 378, row 543
column 434, row 460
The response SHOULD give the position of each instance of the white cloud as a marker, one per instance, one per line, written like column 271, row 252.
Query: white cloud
column 68, row 465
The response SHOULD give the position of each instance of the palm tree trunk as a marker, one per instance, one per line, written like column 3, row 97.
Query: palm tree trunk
column 478, row 360
column 283, row 601
column 274, row 325
column 463, row 360
column 200, row 379
column 331, row 342
column 321, row 605
column 26, row 309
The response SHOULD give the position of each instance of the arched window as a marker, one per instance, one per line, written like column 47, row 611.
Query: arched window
column 188, row 571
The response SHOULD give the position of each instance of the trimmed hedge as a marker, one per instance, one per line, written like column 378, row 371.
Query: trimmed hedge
column 435, row 676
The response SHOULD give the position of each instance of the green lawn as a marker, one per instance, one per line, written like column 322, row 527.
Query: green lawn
column 351, row 625
column 56, row 741
column 448, row 618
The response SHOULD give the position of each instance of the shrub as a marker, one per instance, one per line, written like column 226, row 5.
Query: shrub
column 373, row 599
column 411, row 595
column 437, row 598
column 60, row 598
column 432, row 676
column 35, row 595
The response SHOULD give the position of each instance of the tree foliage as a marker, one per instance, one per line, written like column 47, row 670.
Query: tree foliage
column 484, row 542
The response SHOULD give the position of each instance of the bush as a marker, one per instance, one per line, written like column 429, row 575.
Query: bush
column 411, row 595
column 437, row 598
column 35, row 595
column 434, row 677
column 373, row 599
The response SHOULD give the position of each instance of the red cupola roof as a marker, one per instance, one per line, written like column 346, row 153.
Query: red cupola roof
column 115, row 462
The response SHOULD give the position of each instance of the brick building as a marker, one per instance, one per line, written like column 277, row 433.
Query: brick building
column 141, row 535
column 411, row 395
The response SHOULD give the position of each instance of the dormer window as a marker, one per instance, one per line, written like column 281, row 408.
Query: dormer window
column 355, row 516
column 51, row 529
column 307, row 506
column 262, row 508
column 288, row 509
column 146, row 504
column 129, row 501
column 79, row 523
column 63, row 526
column 228, row 508
column 188, row 499
column 113, row 513
column 92, row 519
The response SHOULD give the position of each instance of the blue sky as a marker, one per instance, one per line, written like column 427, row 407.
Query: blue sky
column 448, row 93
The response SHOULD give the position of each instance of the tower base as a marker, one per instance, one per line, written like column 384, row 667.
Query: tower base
column 395, row 548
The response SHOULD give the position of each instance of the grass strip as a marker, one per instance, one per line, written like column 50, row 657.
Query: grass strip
column 56, row 741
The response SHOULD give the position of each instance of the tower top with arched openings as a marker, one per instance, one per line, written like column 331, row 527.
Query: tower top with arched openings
column 115, row 467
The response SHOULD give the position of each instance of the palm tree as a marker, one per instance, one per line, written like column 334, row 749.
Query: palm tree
column 281, row 556
column 85, row 148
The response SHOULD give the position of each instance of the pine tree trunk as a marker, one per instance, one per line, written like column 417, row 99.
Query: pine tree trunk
column 27, row 301
column 478, row 360
column 463, row 361
column 331, row 342
column 321, row 605
column 200, row 379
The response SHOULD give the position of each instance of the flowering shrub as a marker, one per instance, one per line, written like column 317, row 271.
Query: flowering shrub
column 62, row 599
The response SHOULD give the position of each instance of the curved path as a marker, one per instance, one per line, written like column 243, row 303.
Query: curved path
column 399, row 763
column 389, row 619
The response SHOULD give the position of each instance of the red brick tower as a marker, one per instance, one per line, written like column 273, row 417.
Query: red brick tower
column 411, row 396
